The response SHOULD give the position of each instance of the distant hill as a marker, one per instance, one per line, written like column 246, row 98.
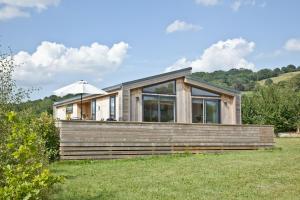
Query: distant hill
column 281, row 77
column 245, row 79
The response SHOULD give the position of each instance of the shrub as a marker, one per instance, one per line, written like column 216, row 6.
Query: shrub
column 24, row 172
column 45, row 126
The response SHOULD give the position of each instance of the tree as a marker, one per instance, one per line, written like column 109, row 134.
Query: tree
column 268, row 81
column 10, row 94
column 291, row 68
column 24, row 172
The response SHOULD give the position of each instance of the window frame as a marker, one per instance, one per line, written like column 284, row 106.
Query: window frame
column 94, row 109
column 158, row 96
column 204, row 102
column 206, row 98
column 151, row 85
column 210, row 96
column 110, row 111
column 69, row 105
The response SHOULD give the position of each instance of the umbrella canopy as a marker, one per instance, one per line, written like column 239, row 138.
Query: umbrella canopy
column 79, row 87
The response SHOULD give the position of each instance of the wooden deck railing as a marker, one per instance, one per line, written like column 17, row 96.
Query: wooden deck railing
column 109, row 140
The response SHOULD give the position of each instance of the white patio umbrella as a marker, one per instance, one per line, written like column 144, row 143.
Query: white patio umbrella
column 79, row 87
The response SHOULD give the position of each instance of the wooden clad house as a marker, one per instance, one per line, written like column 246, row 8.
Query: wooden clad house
column 175, row 96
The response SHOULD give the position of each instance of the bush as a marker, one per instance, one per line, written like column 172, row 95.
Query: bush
column 23, row 164
column 45, row 126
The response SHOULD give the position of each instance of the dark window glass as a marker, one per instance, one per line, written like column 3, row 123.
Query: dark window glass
column 69, row 109
column 197, row 111
column 212, row 111
column 158, row 109
column 167, row 109
column 200, row 92
column 93, row 107
column 150, row 108
column 206, row 111
column 112, row 107
column 162, row 88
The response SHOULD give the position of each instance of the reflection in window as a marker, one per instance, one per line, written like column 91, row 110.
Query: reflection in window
column 93, row 104
column 162, row 88
column 69, row 109
column 158, row 109
column 167, row 109
column 112, row 107
column 212, row 111
column 197, row 111
column 200, row 92
column 206, row 110
column 150, row 109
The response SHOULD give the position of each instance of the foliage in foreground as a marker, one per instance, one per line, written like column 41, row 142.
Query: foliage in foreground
column 23, row 164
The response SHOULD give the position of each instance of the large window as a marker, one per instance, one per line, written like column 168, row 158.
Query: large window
column 112, row 107
column 161, row 88
column 206, row 110
column 159, row 102
column 93, row 109
column 158, row 108
column 205, row 106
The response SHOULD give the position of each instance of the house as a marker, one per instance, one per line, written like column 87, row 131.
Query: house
column 175, row 96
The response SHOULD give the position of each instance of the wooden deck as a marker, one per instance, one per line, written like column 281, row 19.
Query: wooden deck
column 110, row 140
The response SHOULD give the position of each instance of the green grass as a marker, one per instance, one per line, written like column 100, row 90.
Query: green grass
column 262, row 174
column 282, row 77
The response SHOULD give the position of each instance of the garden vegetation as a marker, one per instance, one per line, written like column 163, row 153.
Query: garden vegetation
column 27, row 143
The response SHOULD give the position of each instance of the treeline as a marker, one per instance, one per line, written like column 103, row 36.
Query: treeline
column 243, row 79
column 274, row 104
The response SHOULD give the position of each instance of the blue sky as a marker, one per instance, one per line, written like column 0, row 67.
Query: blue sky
column 57, row 42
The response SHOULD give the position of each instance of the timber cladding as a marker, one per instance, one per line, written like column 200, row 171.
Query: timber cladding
column 110, row 140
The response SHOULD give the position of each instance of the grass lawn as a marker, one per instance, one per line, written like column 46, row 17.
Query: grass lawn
column 262, row 174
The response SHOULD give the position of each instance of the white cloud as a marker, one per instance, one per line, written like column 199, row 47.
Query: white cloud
column 222, row 55
column 292, row 44
column 8, row 12
column 52, row 59
column 208, row 2
column 235, row 6
column 10, row 9
column 178, row 25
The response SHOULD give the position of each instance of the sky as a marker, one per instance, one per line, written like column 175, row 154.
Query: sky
column 106, row 42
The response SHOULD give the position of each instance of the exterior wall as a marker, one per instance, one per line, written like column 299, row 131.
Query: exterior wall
column 183, row 102
column 183, row 105
column 228, row 110
column 60, row 113
column 126, row 97
column 136, row 105
column 108, row 140
column 103, row 104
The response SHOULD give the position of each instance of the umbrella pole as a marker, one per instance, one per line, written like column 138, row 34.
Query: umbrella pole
column 81, row 106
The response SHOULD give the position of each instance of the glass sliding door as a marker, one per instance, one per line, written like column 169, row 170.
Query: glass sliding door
column 150, row 108
column 212, row 111
column 167, row 109
column 197, row 111
column 206, row 111
column 158, row 108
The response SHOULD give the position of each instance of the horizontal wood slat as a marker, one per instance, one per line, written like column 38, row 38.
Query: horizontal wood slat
column 113, row 140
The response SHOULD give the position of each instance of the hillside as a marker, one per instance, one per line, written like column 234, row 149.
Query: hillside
column 281, row 77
